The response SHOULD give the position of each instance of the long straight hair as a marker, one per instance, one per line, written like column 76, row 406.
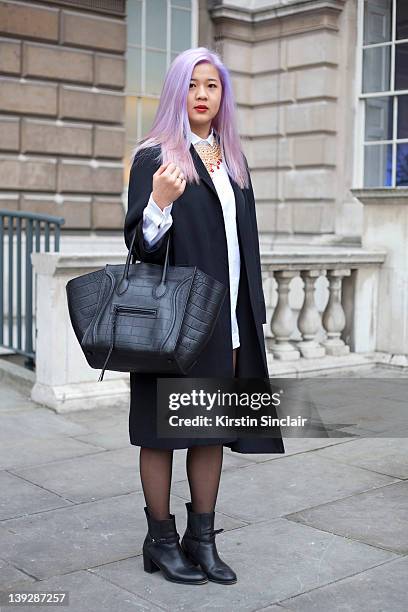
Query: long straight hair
column 171, row 126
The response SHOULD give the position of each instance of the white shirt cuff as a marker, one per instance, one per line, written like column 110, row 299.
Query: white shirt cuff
column 155, row 213
column 155, row 221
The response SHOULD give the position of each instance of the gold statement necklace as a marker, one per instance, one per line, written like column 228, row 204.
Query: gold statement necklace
column 210, row 155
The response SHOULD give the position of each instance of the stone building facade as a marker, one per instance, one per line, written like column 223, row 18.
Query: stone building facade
column 62, row 67
column 293, row 66
column 321, row 89
column 79, row 85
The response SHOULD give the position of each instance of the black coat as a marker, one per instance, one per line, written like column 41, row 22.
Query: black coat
column 198, row 239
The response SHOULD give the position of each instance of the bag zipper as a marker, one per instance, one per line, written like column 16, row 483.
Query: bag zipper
column 134, row 310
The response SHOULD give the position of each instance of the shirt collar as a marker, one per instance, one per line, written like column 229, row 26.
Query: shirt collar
column 195, row 138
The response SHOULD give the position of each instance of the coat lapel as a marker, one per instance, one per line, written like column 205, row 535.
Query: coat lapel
column 206, row 178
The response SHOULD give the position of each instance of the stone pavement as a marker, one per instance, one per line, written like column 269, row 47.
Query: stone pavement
column 322, row 528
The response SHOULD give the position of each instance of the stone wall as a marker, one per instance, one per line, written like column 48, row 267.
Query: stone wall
column 292, row 64
column 62, row 79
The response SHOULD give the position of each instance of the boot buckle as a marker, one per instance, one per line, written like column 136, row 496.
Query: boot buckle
column 169, row 540
column 206, row 537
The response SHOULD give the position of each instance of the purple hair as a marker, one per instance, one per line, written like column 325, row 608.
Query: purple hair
column 171, row 126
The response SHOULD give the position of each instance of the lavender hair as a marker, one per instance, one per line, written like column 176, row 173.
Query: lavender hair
column 171, row 126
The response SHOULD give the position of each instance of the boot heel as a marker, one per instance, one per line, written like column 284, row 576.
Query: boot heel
column 149, row 565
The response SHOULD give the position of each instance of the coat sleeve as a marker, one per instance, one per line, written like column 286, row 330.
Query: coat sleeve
column 252, row 213
column 140, row 188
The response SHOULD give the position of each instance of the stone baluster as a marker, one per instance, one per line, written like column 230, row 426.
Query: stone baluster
column 283, row 320
column 309, row 319
column 333, row 318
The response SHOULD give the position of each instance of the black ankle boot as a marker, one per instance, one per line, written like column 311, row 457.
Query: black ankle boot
column 162, row 551
column 198, row 543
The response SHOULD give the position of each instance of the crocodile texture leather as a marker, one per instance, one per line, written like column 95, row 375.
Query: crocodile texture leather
column 83, row 295
column 137, row 331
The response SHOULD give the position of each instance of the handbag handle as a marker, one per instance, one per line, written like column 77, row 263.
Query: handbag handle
column 124, row 281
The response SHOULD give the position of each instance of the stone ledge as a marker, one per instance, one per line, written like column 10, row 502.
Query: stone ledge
column 115, row 391
column 110, row 393
column 274, row 9
column 16, row 375
column 322, row 366
column 57, row 264
column 386, row 196
column 117, row 8
column 288, row 257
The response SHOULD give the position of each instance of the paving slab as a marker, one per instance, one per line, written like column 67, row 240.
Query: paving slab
column 341, row 386
column 384, row 455
column 273, row 608
column 87, row 591
column 68, row 539
column 364, row 414
column 353, row 490
column 103, row 474
column 356, row 431
column 274, row 488
column 82, row 535
column 36, row 423
column 378, row 406
column 115, row 437
column 230, row 461
column 14, row 408
column 88, row 477
column 99, row 420
column 10, row 576
column 23, row 498
column 271, row 559
column 13, row 400
column 378, row 517
column 35, row 451
column 380, row 589
column 293, row 446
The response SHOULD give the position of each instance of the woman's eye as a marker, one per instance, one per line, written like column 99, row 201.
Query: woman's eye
column 211, row 85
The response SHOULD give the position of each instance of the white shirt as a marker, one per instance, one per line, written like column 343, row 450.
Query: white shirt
column 156, row 222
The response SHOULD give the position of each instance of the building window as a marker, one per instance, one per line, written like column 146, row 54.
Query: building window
column 157, row 31
column 385, row 92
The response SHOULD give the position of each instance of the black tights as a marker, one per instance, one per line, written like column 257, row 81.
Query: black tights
column 203, row 466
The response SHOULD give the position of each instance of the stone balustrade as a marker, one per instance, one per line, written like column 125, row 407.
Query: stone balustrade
column 321, row 301
column 322, row 305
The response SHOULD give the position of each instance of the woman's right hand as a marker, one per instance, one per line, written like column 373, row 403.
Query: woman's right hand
column 168, row 184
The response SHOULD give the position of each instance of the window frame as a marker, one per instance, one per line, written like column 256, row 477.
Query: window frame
column 360, row 142
column 140, row 95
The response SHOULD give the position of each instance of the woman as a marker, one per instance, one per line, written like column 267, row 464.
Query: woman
column 189, row 174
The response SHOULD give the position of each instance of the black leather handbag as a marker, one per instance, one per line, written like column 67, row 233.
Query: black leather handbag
column 144, row 317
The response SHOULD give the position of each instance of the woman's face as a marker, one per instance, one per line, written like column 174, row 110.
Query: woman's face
column 205, row 89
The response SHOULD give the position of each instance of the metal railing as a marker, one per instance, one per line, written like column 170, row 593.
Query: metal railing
column 37, row 230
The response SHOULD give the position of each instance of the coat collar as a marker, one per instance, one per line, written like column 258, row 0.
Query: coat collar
column 206, row 178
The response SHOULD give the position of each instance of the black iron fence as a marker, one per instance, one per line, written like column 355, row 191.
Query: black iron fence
column 26, row 233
